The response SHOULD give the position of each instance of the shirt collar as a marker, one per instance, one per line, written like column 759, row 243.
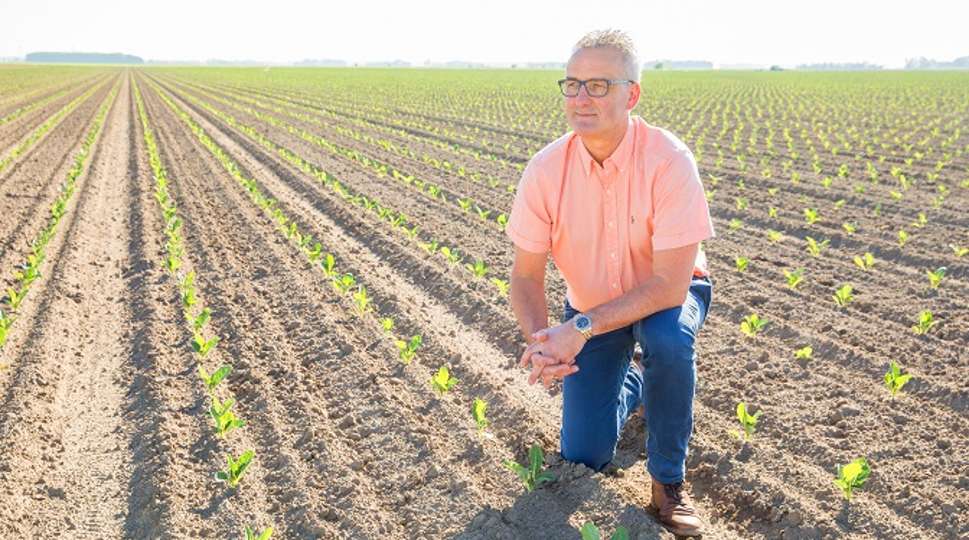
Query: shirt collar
column 620, row 156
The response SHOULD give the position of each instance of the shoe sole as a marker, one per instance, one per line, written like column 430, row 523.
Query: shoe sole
column 680, row 533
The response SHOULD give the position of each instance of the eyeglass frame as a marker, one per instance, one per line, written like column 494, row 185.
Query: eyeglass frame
column 582, row 83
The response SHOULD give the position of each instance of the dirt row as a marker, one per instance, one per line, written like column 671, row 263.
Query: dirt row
column 15, row 130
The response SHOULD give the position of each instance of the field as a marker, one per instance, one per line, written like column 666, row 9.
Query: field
column 335, row 237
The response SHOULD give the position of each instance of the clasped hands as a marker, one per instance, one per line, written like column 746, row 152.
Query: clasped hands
column 552, row 353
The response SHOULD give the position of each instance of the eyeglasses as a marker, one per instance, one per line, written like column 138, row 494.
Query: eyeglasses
column 594, row 87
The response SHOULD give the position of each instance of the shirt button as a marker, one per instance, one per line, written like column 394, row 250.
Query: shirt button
column 613, row 255
column 612, row 224
column 615, row 285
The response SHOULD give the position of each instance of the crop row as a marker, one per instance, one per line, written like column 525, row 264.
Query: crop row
column 28, row 272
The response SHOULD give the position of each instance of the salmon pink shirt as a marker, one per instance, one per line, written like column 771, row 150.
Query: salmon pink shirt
column 602, row 223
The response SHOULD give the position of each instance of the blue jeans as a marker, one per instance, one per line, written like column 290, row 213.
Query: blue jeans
column 609, row 387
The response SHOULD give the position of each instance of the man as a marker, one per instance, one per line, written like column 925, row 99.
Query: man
column 620, row 206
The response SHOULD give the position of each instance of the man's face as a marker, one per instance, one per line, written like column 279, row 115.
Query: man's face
column 599, row 116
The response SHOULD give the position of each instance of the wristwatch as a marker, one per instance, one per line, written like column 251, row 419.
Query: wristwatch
column 584, row 325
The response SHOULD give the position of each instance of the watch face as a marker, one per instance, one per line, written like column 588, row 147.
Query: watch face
column 582, row 322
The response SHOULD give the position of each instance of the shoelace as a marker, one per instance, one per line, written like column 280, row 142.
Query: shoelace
column 673, row 491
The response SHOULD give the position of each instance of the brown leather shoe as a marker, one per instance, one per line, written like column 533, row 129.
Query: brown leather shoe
column 672, row 505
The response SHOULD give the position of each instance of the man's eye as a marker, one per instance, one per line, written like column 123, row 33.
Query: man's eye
column 572, row 86
column 597, row 87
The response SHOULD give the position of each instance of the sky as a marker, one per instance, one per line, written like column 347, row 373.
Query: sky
column 759, row 32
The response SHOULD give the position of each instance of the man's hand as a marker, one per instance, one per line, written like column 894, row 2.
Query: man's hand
column 553, row 352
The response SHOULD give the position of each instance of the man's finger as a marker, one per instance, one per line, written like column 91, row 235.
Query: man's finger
column 523, row 362
column 560, row 371
column 539, row 363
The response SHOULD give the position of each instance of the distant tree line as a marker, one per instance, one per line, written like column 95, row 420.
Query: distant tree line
column 82, row 58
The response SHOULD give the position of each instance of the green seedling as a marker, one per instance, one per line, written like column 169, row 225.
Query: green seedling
column 894, row 380
column 741, row 263
column 589, row 531
column 6, row 322
column 264, row 535
column 925, row 323
column 213, row 380
column 960, row 251
column 451, row 255
column 483, row 214
column 531, row 476
column 742, row 203
column 442, row 381
column 465, row 204
column 752, row 325
column 747, row 421
column 479, row 268
column 935, row 277
column 235, row 468
column 814, row 247
column 902, row 238
column 328, row 264
column 794, row 277
column 199, row 321
column 361, row 301
column 811, row 216
column 852, row 476
column 343, row 284
column 843, row 295
column 735, row 224
column 409, row 348
column 502, row 286
column 849, row 228
column 203, row 346
column 774, row 236
column 14, row 297
column 804, row 353
column 478, row 409
column 866, row 262
column 315, row 254
column 503, row 220
column 387, row 324
column 225, row 420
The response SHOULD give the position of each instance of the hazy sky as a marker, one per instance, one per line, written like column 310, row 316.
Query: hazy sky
column 755, row 31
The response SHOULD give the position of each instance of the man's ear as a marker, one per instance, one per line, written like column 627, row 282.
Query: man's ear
column 634, row 90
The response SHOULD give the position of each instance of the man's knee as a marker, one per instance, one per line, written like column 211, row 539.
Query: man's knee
column 591, row 449
column 665, row 341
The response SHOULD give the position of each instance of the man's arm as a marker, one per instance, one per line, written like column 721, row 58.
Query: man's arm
column 666, row 288
column 528, row 292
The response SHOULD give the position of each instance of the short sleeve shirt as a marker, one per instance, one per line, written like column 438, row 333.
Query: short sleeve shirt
column 602, row 223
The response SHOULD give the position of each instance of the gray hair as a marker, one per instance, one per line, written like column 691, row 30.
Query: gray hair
column 618, row 41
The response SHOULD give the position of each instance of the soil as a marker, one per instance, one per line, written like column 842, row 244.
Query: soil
column 105, row 427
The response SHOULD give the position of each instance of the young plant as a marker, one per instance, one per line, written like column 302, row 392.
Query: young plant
column 752, row 325
column 451, row 255
column 502, row 286
column 902, row 238
column 531, row 476
column 960, row 251
column 774, row 236
column 387, row 324
column 225, row 420
column 747, row 421
column 843, row 295
column 199, row 321
column 735, row 224
column 794, row 277
column 852, row 476
column 361, row 301
column 589, row 531
column 478, row 409
column 15, row 297
column 849, row 228
column 814, row 247
column 408, row 349
column 442, row 381
column 343, row 284
column 772, row 212
column 203, row 346
column 935, row 277
column 925, row 323
column 328, row 264
column 741, row 263
column 235, row 468
column 479, row 268
column 804, row 353
column 264, row 535
column 894, row 380
column 866, row 262
column 213, row 380
column 6, row 322
column 811, row 215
